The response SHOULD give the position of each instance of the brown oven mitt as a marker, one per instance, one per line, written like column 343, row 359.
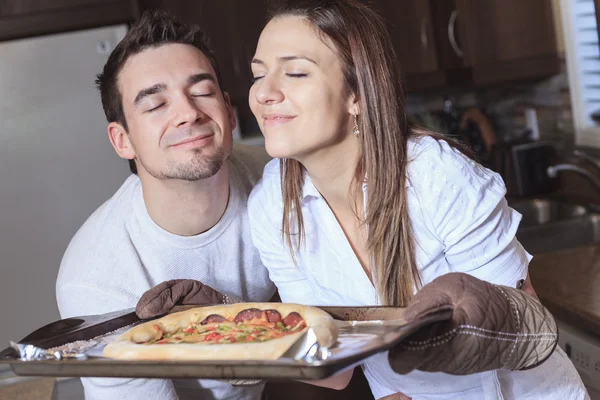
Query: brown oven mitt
column 492, row 327
column 161, row 298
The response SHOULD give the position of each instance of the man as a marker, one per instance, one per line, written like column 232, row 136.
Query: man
column 184, row 214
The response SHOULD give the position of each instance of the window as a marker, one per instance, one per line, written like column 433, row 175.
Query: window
column 583, row 67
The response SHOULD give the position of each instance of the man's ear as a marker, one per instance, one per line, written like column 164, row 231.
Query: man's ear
column 120, row 141
column 230, row 113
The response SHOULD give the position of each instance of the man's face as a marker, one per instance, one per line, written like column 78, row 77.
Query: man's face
column 179, row 121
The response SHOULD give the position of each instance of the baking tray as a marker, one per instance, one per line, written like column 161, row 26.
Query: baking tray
column 364, row 331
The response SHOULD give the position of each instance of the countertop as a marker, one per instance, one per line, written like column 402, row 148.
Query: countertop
column 568, row 284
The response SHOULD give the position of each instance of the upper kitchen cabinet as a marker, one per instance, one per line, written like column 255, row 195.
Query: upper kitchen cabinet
column 25, row 18
column 472, row 42
column 233, row 27
column 505, row 40
column 410, row 23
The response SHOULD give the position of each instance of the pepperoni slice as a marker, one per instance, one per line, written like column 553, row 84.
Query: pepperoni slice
column 248, row 314
column 273, row 316
column 212, row 318
column 292, row 319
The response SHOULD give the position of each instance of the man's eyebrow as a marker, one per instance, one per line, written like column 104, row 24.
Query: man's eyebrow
column 159, row 87
column 285, row 58
column 200, row 77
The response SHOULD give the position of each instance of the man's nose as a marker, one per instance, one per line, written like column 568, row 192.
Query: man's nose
column 187, row 112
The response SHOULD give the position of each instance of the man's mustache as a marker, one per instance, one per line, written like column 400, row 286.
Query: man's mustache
column 184, row 134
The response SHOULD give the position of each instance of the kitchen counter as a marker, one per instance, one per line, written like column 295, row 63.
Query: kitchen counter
column 568, row 284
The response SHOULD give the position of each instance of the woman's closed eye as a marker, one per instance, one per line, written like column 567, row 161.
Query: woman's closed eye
column 297, row 75
column 289, row 74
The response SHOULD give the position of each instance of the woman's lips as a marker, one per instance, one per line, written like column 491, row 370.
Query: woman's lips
column 277, row 119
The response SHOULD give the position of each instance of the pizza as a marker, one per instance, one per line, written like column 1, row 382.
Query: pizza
column 243, row 331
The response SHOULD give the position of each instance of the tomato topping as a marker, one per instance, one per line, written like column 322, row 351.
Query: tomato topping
column 212, row 336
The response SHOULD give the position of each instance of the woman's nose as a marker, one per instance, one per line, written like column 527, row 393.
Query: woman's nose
column 268, row 91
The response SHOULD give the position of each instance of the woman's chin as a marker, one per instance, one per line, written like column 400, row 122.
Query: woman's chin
column 278, row 150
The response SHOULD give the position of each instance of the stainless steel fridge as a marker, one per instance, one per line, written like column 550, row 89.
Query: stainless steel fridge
column 56, row 164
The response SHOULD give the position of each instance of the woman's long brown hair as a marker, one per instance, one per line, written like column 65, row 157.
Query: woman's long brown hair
column 372, row 73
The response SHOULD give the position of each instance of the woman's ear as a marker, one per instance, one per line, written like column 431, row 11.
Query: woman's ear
column 353, row 106
column 120, row 141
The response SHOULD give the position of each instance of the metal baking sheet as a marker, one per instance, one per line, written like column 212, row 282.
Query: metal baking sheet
column 363, row 331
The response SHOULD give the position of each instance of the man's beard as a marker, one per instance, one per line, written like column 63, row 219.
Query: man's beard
column 199, row 167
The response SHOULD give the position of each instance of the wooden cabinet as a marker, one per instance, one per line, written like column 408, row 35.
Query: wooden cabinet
column 24, row 18
column 20, row 7
column 508, row 39
column 410, row 23
column 472, row 42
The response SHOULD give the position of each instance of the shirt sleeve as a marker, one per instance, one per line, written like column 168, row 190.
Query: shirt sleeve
column 291, row 281
column 470, row 216
column 71, row 303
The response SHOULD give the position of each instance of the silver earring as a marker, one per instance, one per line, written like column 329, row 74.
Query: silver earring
column 356, row 131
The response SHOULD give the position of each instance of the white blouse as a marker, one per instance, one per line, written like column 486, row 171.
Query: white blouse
column 461, row 223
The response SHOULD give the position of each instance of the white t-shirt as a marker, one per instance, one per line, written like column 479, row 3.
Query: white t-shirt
column 120, row 252
column 461, row 223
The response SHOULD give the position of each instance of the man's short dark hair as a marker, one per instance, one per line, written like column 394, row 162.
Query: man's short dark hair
column 155, row 28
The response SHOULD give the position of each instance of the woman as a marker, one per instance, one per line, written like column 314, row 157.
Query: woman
column 362, row 208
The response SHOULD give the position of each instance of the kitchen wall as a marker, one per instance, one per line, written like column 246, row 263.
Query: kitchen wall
column 505, row 105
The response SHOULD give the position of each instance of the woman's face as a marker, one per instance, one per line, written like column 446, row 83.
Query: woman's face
column 299, row 96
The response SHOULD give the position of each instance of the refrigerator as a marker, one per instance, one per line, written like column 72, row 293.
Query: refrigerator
column 56, row 164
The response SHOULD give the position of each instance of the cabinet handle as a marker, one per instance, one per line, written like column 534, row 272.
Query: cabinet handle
column 424, row 38
column 451, row 33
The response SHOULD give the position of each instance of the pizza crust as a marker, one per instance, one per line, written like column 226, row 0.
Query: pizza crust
column 126, row 346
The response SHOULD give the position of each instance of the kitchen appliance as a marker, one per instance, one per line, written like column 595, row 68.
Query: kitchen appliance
column 584, row 351
column 56, row 163
column 530, row 162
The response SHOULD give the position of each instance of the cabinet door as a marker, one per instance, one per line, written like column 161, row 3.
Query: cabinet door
column 410, row 26
column 26, row 18
column 451, row 28
column 505, row 30
column 509, row 39
column 19, row 7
